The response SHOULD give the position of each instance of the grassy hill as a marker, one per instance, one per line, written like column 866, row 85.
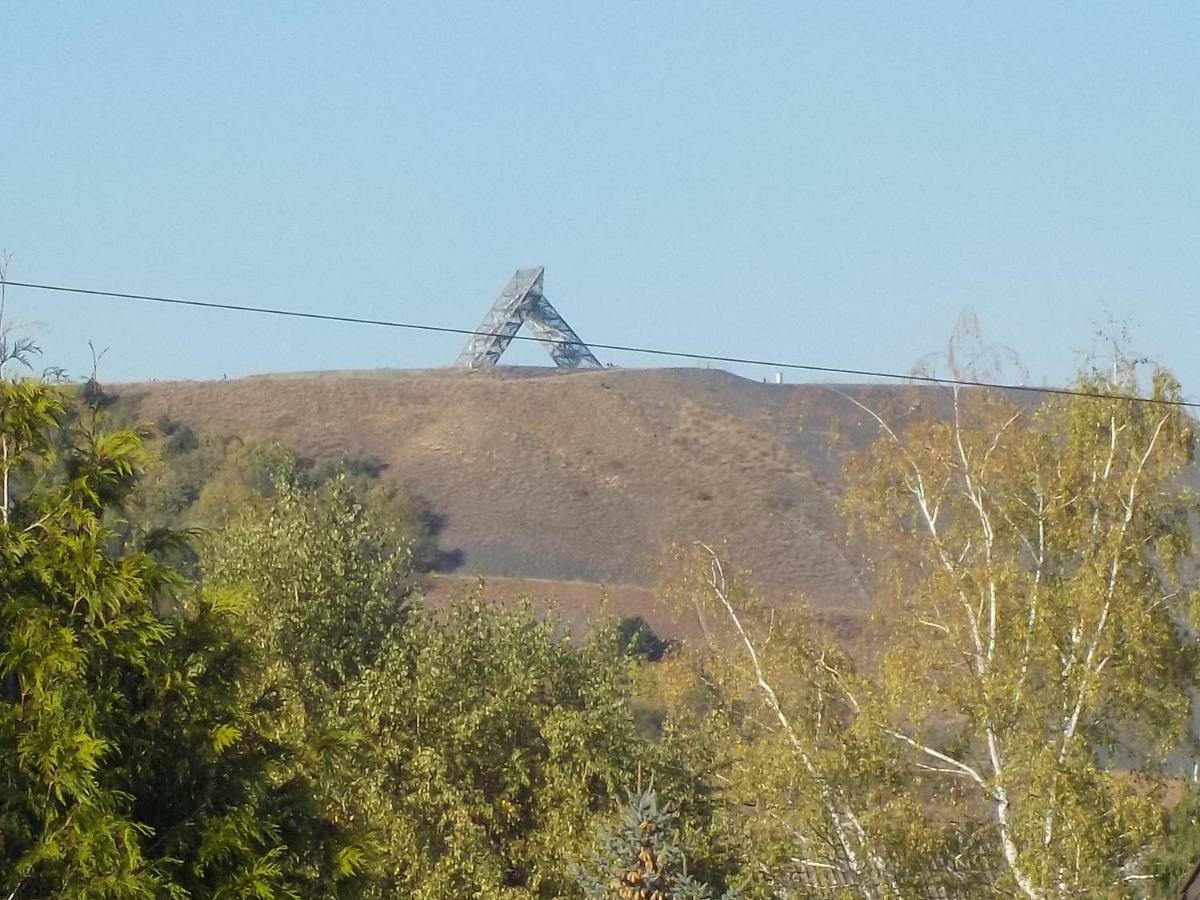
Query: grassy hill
column 581, row 476
column 570, row 485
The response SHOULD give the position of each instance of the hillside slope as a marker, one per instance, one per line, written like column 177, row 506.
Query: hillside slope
column 576, row 475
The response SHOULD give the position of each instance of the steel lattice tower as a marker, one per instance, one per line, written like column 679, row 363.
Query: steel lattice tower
column 522, row 302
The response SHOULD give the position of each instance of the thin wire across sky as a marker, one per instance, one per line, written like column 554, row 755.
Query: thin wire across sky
column 620, row 348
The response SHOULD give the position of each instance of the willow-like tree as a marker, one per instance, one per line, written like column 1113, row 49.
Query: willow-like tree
column 1035, row 644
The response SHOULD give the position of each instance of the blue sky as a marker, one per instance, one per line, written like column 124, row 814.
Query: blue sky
column 821, row 183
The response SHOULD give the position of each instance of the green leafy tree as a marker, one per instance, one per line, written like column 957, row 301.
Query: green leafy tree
column 330, row 580
column 333, row 575
column 1178, row 853
column 478, row 746
column 503, row 745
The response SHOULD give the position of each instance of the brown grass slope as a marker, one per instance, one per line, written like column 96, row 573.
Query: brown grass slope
column 581, row 476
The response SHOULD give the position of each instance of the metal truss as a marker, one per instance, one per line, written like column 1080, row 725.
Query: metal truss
column 522, row 302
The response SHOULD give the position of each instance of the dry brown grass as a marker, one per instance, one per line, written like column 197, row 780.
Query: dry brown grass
column 583, row 476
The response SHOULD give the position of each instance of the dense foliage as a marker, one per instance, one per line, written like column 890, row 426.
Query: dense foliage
column 133, row 757
column 1038, row 631
column 206, row 481
column 481, row 745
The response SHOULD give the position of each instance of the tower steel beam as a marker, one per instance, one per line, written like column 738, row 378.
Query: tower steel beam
column 522, row 302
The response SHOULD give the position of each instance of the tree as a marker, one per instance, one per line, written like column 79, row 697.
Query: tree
column 502, row 745
column 819, row 793
column 1178, row 854
column 642, row 859
column 204, row 480
column 132, row 761
column 476, row 746
column 636, row 637
column 1035, row 614
column 332, row 573
column 329, row 582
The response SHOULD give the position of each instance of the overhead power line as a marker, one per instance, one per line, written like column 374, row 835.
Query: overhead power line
column 620, row 348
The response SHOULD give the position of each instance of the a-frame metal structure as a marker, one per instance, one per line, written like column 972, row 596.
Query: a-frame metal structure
column 522, row 302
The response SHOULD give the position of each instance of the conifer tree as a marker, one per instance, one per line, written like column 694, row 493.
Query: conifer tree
column 133, row 762
column 642, row 859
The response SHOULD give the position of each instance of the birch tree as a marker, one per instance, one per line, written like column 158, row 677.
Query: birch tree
column 1034, row 610
column 825, row 797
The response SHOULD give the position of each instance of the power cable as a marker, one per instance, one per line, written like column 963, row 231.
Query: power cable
column 620, row 348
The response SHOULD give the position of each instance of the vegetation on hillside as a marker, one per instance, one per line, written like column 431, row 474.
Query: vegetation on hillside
column 205, row 481
column 519, row 482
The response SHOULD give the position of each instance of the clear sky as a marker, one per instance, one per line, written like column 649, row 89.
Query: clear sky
column 822, row 183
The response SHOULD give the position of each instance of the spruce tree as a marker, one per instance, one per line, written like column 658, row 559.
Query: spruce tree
column 642, row 859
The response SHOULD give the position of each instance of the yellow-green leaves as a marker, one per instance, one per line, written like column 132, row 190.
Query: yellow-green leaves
column 1033, row 614
column 223, row 736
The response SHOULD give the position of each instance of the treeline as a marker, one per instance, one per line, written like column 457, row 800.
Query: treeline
column 219, row 680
